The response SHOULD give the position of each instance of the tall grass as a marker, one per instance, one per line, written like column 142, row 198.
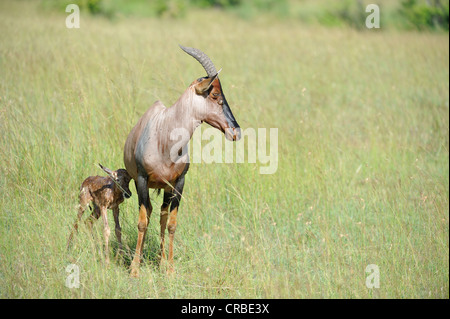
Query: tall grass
column 363, row 157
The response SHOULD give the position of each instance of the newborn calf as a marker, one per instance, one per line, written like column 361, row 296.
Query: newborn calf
column 105, row 193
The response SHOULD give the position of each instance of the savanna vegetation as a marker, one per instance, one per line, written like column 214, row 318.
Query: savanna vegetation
column 363, row 153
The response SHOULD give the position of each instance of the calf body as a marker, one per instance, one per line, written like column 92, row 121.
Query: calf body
column 104, row 193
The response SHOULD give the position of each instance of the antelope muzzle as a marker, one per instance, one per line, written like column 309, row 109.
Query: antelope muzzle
column 233, row 131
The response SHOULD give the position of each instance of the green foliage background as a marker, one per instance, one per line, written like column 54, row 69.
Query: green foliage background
column 403, row 14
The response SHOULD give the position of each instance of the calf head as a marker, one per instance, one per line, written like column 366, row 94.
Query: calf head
column 121, row 177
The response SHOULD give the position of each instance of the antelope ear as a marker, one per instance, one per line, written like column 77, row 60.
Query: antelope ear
column 205, row 84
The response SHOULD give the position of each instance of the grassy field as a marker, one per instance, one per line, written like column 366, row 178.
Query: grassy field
column 363, row 149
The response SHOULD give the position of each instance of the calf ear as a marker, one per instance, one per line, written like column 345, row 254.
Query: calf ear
column 111, row 173
column 205, row 84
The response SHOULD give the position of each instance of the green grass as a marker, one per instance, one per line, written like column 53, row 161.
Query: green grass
column 362, row 178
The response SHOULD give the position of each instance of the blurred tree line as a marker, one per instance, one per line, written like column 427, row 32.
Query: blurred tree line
column 431, row 14
column 406, row 14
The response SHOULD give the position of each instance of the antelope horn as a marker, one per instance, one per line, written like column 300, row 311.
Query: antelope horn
column 204, row 60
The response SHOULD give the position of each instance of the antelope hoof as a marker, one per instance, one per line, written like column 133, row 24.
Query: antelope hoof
column 134, row 269
column 134, row 272
column 170, row 270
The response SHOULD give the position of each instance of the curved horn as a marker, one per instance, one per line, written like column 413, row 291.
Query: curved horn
column 204, row 60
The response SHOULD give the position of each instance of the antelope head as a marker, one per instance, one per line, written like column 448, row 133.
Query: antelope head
column 209, row 99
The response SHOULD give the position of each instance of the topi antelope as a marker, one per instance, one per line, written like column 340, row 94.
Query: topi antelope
column 105, row 193
column 149, row 149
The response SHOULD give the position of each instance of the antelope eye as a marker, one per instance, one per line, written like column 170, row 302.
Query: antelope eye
column 215, row 94
column 199, row 79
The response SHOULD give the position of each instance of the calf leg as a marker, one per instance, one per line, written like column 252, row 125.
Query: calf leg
column 106, row 231
column 118, row 229
column 84, row 200
column 94, row 216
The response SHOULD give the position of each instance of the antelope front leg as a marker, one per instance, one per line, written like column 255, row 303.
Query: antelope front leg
column 163, row 223
column 145, row 210
column 172, row 224
column 106, row 232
